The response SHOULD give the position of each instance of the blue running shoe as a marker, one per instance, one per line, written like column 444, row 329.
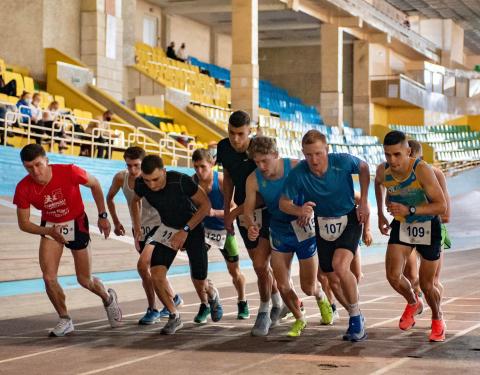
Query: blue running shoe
column 356, row 326
column 216, row 309
column 152, row 316
column 177, row 300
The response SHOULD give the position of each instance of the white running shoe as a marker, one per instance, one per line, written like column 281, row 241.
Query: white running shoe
column 63, row 327
column 114, row 313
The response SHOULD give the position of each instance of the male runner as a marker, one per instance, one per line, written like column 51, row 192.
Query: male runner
column 54, row 189
column 414, row 199
column 150, row 221
column 182, row 205
column 232, row 155
column 324, row 182
column 286, row 235
column 215, row 233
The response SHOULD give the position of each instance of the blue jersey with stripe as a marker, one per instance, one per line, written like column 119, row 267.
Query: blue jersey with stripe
column 216, row 200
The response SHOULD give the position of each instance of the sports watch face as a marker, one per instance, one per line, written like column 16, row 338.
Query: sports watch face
column 103, row 215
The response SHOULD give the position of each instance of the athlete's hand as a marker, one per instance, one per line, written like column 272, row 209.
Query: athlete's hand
column 56, row 233
column 253, row 232
column 137, row 235
column 178, row 240
column 445, row 218
column 367, row 237
column 306, row 213
column 119, row 229
column 228, row 221
column 383, row 224
column 104, row 227
column 363, row 212
column 397, row 209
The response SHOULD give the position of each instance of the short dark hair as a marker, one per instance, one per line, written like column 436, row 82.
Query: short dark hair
column 239, row 118
column 134, row 153
column 394, row 138
column 313, row 136
column 150, row 163
column 202, row 154
column 31, row 152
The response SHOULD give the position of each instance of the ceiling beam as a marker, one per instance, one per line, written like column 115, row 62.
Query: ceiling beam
column 227, row 27
column 379, row 38
column 293, row 43
column 196, row 7
column 351, row 22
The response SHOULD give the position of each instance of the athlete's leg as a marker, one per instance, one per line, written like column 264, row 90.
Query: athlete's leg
column 162, row 286
column 281, row 271
column 437, row 282
column 356, row 266
column 260, row 257
column 49, row 257
column 428, row 269
column 143, row 267
column 395, row 260
column 238, row 278
column 308, row 277
column 411, row 271
column 83, row 269
column 323, row 279
column 341, row 266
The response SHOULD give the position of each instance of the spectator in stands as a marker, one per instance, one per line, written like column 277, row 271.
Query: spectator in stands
column 36, row 118
column 23, row 106
column 406, row 22
column 4, row 108
column 9, row 88
column 182, row 53
column 212, row 149
column 51, row 115
column 171, row 51
column 103, row 136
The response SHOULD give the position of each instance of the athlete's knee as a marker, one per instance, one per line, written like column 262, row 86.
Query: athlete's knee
column 284, row 288
column 50, row 280
column 309, row 289
column 143, row 267
column 235, row 271
column 394, row 279
column 85, row 281
column 261, row 268
column 427, row 285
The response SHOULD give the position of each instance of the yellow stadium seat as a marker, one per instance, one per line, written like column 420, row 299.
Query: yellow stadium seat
column 170, row 128
column 177, row 129
column 163, row 127
column 29, row 85
column 11, row 76
column 61, row 101
column 140, row 108
column 183, row 128
column 12, row 99
column 3, row 98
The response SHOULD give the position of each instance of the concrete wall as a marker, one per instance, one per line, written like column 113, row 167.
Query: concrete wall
column 194, row 34
column 348, row 83
column 147, row 9
column 223, row 51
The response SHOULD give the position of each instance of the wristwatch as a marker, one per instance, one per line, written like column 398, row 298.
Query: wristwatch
column 102, row 215
column 412, row 210
column 186, row 228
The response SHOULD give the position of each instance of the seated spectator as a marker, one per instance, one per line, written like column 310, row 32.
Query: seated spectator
column 36, row 118
column 4, row 126
column 182, row 53
column 51, row 115
column 9, row 88
column 23, row 106
column 171, row 51
column 102, row 137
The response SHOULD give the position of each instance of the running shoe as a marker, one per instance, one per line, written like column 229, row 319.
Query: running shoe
column 243, row 311
column 275, row 313
column 177, row 300
column 202, row 315
column 152, row 316
column 438, row 330
column 216, row 309
column 63, row 327
column 114, row 313
column 173, row 325
column 287, row 314
column 325, row 311
column 356, row 326
column 348, row 334
column 297, row 328
column 407, row 320
column 262, row 324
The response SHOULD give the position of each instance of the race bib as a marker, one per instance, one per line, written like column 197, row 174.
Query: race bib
column 68, row 232
column 164, row 235
column 257, row 218
column 416, row 233
column 216, row 238
column 331, row 228
column 305, row 232
column 146, row 229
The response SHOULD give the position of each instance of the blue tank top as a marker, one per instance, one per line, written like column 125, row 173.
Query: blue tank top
column 271, row 191
column 216, row 200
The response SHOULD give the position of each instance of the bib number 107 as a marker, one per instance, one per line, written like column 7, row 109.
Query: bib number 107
column 333, row 228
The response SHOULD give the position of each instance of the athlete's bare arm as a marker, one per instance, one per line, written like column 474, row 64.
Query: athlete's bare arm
column 249, row 206
column 228, row 189
column 25, row 225
column 97, row 193
column 443, row 184
column 136, row 223
column 383, row 224
column 117, row 184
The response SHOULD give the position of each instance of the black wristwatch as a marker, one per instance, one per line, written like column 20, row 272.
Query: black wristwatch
column 186, row 228
column 102, row 215
column 412, row 210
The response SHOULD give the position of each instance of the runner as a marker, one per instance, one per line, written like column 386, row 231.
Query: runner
column 324, row 182
column 150, row 221
column 411, row 267
column 54, row 189
column 287, row 237
column 414, row 199
column 215, row 233
column 182, row 205
column 232, row 155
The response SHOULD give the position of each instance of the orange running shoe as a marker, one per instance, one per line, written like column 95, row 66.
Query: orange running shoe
column 407, row 321
column 438, row 330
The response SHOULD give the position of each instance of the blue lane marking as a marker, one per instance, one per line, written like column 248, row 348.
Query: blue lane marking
column 19, row 287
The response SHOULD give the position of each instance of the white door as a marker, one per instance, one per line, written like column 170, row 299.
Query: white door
column 150, row 30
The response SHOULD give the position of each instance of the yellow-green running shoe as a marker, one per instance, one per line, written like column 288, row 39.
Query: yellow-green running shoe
column 297, row 328
column 325, row 311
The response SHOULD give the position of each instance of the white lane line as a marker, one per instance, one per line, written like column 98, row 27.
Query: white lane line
column 400, row 362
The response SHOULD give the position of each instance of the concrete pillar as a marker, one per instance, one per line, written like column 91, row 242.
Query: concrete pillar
column 102, row 43
column 166, row 27
column 331, row 96
column 128, row 7
column 362, row 111
column 244, row 72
